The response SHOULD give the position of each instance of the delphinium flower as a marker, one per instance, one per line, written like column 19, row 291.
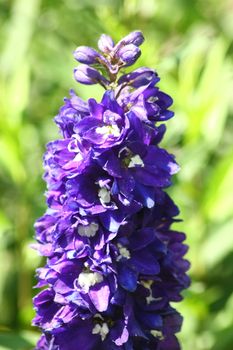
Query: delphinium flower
column 114, row 264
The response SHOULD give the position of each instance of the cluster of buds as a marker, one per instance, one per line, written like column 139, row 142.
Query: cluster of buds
column 114, row 265
column 112, row 59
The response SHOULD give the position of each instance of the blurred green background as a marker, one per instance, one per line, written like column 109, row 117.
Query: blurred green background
column 189, row 42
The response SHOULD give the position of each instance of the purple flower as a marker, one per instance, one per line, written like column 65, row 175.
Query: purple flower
column 73, row 110
column 113, row 263
column 106, row 126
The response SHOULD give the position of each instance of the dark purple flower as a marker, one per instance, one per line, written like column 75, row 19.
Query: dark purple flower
column 147, row 101
column 106, row 126
column 114, row 265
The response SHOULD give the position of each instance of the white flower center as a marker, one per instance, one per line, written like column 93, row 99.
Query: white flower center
column 78, row 157
column 89, row 279
column 101, row 330
column 88, row 230
column 109, row 130
column 150, row 298
column 147, row 285
column 96, row 316
column 124, row 252
column 157, row 334
column 73, row 145
column 136, row 160
column 104, row 195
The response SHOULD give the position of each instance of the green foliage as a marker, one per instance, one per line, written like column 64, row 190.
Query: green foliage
column 190, row 44
column 17, row 341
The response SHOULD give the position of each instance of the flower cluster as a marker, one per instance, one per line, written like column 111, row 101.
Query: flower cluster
column 114, row 265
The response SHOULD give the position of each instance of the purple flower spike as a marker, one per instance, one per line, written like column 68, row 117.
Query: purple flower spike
column 85, row 54
column 113, row 263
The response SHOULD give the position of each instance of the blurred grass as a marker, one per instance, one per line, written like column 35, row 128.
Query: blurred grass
column 190, row 44
column 24, row 340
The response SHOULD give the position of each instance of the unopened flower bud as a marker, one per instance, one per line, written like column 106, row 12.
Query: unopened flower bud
column 135, row 38
column 105, row 43
column 129, row 54
column 85, row 54
column 88, row 75
column 140, row 77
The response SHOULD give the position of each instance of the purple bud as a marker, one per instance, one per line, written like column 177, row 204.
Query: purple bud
column 85, row 54
column 88, row 75
column 135, row 38
column 105, row 43
column 129, row 54
column 139, row 77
